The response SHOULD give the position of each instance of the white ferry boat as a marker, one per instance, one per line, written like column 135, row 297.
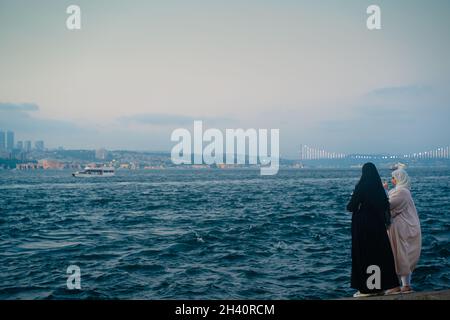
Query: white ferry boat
column 95, row 172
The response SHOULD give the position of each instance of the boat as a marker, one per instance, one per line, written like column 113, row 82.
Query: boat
column 95, row 172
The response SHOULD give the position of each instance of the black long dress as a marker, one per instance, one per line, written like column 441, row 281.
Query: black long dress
column 370, row 242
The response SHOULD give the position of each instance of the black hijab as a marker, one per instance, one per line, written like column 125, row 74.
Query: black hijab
column 371, row 187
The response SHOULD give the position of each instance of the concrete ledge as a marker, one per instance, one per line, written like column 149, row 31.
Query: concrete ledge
column 427, row 295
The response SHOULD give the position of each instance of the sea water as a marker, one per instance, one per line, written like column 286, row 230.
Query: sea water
column 198, row 234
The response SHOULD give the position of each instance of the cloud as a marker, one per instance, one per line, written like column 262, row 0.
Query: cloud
column 410, row 102
column 20, row 118
column 392, row 119
column 129, row 132
column 400, row 91
column 18, row 107
column 157, row 119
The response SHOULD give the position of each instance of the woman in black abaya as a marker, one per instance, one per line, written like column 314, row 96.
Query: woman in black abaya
column 370, row 243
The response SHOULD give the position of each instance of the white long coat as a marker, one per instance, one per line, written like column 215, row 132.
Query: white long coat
column 404, row 233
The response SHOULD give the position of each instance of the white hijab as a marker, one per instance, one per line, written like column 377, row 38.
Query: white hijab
column 402, row 179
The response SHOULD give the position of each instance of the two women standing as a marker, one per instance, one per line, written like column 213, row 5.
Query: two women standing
column 392, row 253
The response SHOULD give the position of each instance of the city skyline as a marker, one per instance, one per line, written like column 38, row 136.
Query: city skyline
column 137, row 71
column 306, row 152
column 8, row 142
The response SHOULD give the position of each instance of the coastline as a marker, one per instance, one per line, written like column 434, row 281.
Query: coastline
column 424, row 295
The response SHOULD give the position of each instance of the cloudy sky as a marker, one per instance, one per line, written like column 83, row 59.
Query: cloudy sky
column 139, row 69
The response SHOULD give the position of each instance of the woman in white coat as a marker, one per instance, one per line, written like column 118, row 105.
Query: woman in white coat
column 404, row 233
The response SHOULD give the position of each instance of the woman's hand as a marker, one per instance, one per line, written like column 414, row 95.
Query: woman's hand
column 386, row 186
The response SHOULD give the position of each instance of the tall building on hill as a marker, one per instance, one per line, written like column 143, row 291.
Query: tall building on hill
column 27, row 146
column 39, row 145
column 9, row 140
column 2, row 141
column 101, row 154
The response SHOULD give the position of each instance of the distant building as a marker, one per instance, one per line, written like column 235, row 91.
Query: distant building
column 27, row 166
column 27, row 146
column 51, row 164
column 39, row 145
column 101, row 154
column 2, row 141
column 9, row 140
column 124, row 166
column 20, row 145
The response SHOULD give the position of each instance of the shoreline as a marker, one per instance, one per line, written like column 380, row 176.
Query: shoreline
column 421, row 295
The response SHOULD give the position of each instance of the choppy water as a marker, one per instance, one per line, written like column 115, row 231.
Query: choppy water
column 197, row 234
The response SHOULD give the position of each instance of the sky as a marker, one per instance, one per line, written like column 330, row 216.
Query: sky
column 137, row 70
